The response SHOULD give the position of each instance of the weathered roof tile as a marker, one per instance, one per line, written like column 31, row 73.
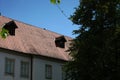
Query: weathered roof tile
column 32, row 40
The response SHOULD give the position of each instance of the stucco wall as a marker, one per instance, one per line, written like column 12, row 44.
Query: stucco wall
column 39, row 69
column 18, row 60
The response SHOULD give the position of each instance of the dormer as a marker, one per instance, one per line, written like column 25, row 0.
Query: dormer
column 60, row 41
column 10, row 26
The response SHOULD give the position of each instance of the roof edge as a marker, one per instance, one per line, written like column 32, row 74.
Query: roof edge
column 29, row 54
column 34, row 26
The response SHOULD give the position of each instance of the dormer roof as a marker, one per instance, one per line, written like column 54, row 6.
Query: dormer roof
column 60, row 41
column 29, row 39
column 10, row 26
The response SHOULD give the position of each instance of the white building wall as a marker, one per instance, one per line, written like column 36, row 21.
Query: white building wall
column 18, row 60
column 39, row 69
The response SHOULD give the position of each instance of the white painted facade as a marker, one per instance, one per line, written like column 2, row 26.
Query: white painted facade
column 38, row 67
column 17, row 59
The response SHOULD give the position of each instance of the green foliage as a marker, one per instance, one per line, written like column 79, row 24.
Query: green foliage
column 96, row 49
column 55, row 1
column 4, row 33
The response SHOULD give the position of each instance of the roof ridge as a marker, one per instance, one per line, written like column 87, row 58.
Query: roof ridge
column 34, row 26
column 41, row 42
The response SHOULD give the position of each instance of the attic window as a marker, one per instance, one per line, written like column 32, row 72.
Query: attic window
column 60, row 42
column 10, row 26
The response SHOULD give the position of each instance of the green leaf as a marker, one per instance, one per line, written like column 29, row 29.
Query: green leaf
column 71, row 19
column 4, row 33
column 53, row 1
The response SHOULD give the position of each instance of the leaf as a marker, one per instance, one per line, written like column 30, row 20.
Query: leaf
column 71, row 19
column 4, row 33
column 53, row 1
column 58, row 1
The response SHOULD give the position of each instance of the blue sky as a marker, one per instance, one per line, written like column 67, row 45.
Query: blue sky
column 42, row 13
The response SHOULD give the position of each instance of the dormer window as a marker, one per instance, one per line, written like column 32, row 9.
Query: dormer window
column 60, row 42
column 10, row 26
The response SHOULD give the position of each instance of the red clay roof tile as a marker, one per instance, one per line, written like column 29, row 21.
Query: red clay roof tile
column 32, row 40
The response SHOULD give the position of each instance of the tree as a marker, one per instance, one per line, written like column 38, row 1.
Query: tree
column 96, row 50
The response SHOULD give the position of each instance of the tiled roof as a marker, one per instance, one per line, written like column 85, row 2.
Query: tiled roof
column 29, row 39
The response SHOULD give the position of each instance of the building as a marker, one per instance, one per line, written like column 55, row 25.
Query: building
column 31, row 53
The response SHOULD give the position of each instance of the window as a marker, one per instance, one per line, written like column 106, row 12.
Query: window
column 11, row 26
column 48, row 71
column 60, row 42
column 24, row 69
column 9, row 66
